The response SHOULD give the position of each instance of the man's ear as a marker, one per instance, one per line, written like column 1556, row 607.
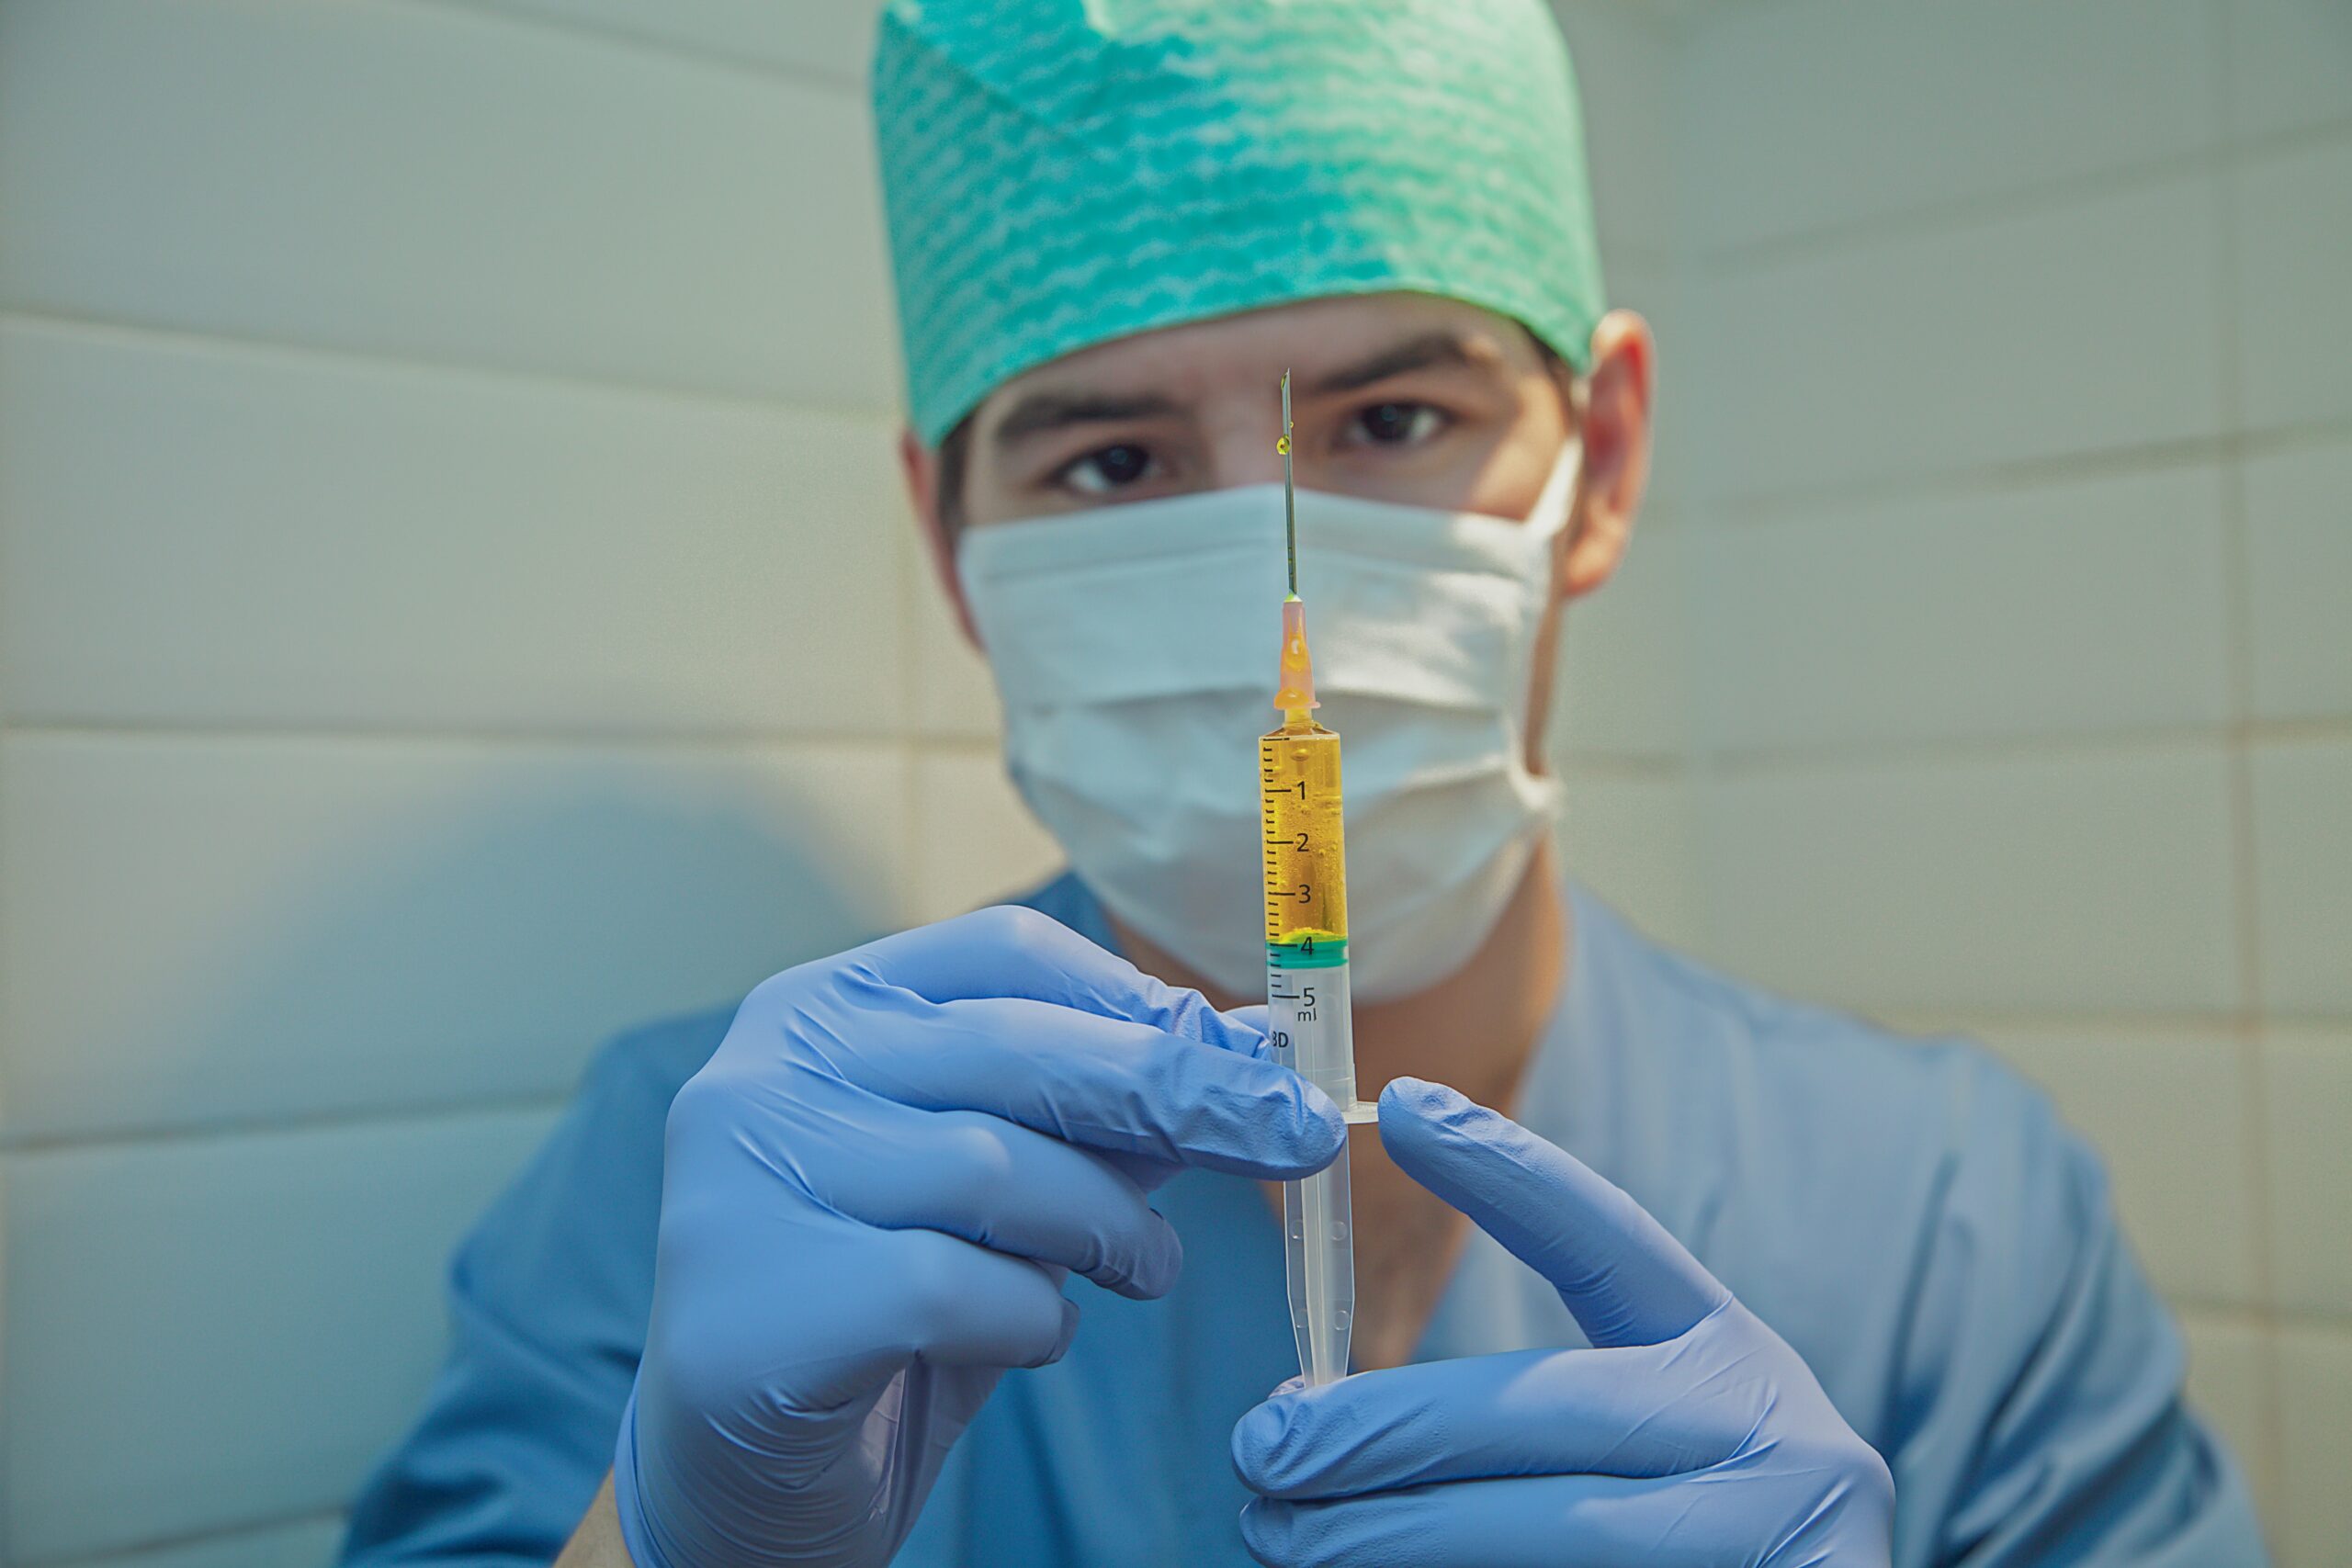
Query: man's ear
column 1615, row 426
column 921, row 466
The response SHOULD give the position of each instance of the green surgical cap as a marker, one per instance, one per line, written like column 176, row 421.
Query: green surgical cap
column 1060, row 173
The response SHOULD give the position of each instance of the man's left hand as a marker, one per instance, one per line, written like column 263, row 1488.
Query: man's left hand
column 1689, row 1433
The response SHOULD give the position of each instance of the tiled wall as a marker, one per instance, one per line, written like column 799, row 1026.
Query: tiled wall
column 2019, row 567
column 455, row 602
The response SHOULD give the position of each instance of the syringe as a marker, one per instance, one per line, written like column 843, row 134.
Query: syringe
column 1306, row 971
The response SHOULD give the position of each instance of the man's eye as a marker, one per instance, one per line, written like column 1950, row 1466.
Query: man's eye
column 1108, row 468
column 1395, row 425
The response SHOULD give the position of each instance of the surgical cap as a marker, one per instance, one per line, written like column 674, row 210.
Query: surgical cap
column 1061, row 172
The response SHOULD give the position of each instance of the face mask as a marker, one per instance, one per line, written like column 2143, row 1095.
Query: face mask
column 1133, row 647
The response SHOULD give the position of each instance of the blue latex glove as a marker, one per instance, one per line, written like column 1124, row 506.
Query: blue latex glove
column 871, row 1197
column 1690, row 1433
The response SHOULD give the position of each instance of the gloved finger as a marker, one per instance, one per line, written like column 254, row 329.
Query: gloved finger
column 1549, row 1521
column 1007, row 950
column 1626, row 1281
column 1003, row 1186
column 1128, row 1087
column 1635, row 1411
column 958, row 1305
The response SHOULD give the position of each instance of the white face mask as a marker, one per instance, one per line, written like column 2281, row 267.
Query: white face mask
column 1133, row 647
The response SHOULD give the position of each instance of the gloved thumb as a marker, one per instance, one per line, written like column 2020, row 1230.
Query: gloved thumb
column 1626, row 1281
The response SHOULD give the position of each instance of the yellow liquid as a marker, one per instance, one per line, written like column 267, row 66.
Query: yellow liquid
column 1306, row 857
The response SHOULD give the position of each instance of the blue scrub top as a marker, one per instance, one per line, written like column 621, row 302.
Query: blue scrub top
column 1912, row 1217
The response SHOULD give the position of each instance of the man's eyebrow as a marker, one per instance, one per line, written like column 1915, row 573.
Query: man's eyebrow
column 1038, row 411
column 1422, row 353
column 1043, row 411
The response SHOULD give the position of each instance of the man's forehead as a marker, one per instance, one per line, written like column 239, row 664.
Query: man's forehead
column 1329, row 345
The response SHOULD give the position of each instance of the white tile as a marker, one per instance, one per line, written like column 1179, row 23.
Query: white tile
column 2299, row 519
column 2294, row 253
column 1811, row 115
column 2168, row 1115
column 1649, row 284
column 2056, row 610
column 2067, row 884
column 207, row 1332
column 1625, row 60
column 205, row 534
column 831, row 38
column 431, row 182
column 954, row 696
column 2303, row 837
column 2230, row 1386
column 2307, row 1082
column 2076, row 329
column 1628, row 837
column 2290, row 63
column 194, row 930
column 1622, row 686
column 306, row 1543
column 975, row 843
column 2316, row 1406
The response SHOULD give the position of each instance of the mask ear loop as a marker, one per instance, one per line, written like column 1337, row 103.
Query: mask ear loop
column 1550, row 513
column 1546, row 523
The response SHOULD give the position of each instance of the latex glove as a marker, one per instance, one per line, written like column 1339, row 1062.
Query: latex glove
column 1690, row 1433
column 871, row 1196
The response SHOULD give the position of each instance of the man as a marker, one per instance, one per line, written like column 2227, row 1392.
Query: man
column 1743, row 1281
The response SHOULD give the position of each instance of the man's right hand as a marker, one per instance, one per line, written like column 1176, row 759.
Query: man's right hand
column 871, row 1197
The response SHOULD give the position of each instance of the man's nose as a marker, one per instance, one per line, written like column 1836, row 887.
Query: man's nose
column 1242, row 451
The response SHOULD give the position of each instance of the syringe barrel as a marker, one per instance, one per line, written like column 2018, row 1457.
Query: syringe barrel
column 1308, row 1022
column 1309, row 1014
column 1318, row 1236
column 1305, row 855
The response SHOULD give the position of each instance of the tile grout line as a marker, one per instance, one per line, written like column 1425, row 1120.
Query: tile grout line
column 2173, row 1025
column 1957, row 215
column 8, row 1032
column 1994, row 750
column 122, row 330
column 1703, row 756
column 187, row 1539
column 2238, row 611
column 915, row 744
column 2268, row 1320
column 514, row 737
column 775, row 72
column 1785, row 504
column 240, row 1129
column 1680, row 280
